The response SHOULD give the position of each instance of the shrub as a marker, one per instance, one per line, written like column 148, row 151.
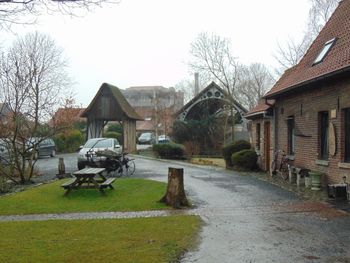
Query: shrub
column 70, row 141
column 5, row 186
column 112, row 134
column 232, row 148
column 115, row 128
column 73, row 140
column 169, row 150
column 60, row 142
column 245, row 159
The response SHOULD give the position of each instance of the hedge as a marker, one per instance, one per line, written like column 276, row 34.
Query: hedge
column 245, row 159
column 169, row 150
column 232, row 148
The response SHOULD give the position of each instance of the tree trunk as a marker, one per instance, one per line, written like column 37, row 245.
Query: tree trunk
column 175, row 195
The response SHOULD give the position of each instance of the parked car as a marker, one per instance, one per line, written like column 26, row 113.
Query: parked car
column 45, row 147
column 163, row 139
column 95, row 145
column 4, row 152
column 147, row 138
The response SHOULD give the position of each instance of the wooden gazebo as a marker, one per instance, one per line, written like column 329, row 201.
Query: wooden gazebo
column 109, row 104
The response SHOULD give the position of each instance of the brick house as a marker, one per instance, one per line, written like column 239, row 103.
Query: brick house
column 307, row 111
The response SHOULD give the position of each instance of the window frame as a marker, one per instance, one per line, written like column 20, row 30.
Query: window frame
column 258, row 136
column 323, row 134
column 291, row 135
column 346, row 132
column 324, row 51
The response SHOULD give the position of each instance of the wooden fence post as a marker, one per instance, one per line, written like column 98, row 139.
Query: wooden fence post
column 61, row 166
column 175, row 195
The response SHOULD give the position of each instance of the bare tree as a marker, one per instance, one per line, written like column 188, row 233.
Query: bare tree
column 289, row 54
column 33, row 81
column 213, row 60
column 320, row 12
column 255, row 80
column 25, row 11
column 187, row 87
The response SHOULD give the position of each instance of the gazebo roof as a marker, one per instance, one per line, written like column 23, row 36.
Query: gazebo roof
column 118, row 98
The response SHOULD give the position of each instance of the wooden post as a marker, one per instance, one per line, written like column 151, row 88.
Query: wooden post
column 175, row 195
column 61, row 166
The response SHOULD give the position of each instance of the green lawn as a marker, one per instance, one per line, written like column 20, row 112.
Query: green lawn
column 108, row 240
column 129, row 195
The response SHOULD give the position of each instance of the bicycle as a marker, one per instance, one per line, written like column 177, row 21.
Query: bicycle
column 284, row 165
column 128, row 165
column 115, row 165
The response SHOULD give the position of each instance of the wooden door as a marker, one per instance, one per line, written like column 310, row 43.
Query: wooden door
column 267, row 142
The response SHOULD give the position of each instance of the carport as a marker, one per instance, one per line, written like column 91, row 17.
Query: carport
column 109, row 104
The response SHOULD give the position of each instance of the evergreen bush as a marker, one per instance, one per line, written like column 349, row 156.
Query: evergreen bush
column 169, row 150
column 245, row 159
column 232, row 148
column 112, row 134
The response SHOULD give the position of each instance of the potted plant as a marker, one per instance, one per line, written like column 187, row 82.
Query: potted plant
column 315, row 180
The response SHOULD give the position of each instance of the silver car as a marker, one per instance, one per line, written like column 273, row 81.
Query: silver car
column 95, row 145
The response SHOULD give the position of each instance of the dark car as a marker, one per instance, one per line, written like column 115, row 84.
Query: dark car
column 45, row 147
column 147, row 138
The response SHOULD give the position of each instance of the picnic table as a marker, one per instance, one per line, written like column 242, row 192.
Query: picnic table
column 88, row 178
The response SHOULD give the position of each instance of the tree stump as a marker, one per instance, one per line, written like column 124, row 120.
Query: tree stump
column 175, row 195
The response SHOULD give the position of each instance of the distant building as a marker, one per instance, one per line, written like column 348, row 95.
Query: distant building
column 156, row 105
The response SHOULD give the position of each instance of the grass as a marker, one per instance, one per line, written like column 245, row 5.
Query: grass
column 108, row 240
column 129, row 195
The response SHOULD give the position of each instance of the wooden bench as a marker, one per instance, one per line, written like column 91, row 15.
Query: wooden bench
column 69, row 184
column 107, row 183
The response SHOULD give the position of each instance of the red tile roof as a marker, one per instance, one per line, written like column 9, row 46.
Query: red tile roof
column 261, row 108
column 337, row 60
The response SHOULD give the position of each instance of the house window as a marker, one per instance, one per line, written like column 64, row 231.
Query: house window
column 291, row 135
column 324, row 51
column 258, row 136
column 323, row 120
column 347, row 135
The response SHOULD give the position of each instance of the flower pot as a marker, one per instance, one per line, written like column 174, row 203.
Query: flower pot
column 315, row 181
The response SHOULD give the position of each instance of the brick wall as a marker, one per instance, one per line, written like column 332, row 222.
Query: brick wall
column 260, row 147
column 305, row 107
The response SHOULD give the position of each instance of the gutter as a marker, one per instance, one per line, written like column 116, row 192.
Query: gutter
column 323, row 77
column 255, row 114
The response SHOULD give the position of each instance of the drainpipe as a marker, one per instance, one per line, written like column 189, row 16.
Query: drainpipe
column 275, row 124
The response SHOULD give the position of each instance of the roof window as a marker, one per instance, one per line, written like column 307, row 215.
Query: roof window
column 324, row 51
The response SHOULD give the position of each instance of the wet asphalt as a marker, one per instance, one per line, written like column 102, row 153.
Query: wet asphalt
column 246, row 219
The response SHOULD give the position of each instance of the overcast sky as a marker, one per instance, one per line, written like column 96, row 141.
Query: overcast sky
column 147, row 42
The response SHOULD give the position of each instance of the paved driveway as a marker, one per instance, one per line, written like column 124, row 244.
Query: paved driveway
column 247, row 220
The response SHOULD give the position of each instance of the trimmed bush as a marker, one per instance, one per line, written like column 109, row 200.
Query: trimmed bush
column 245, row 159
column 112, row 134
column 169, row 150
column 60, row 142
column 73, row 140
column 69, row 142
column 232, row 148
column 115, row 128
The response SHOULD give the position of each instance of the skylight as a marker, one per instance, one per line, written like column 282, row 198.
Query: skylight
column 324, row 51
